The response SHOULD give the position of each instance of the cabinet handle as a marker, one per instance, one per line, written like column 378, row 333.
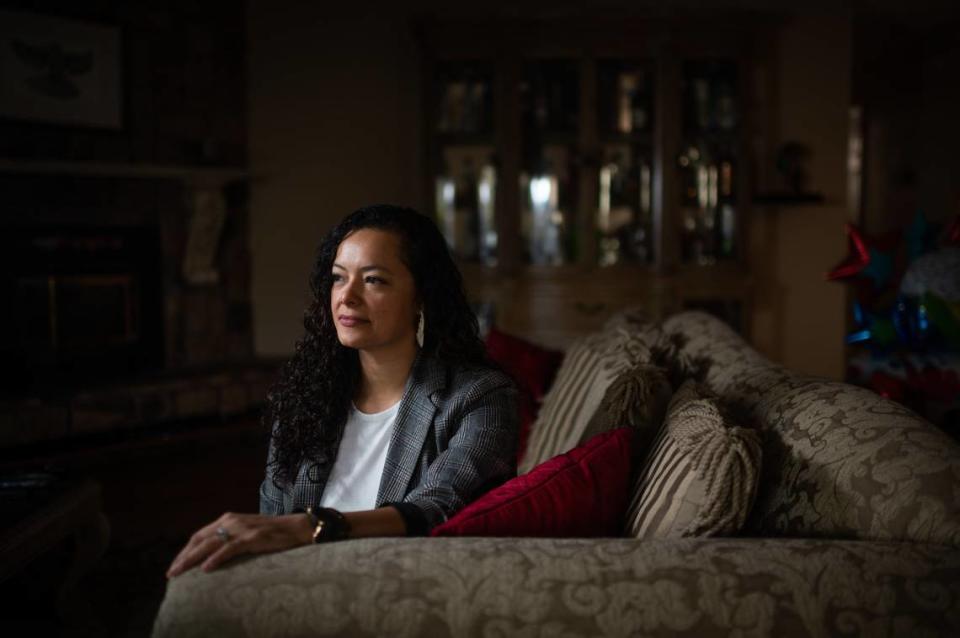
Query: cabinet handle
column 590, row 309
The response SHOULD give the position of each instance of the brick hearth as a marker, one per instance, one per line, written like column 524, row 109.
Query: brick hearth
column 119, row 408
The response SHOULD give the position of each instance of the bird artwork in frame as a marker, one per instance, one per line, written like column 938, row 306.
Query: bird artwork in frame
column 59, row 71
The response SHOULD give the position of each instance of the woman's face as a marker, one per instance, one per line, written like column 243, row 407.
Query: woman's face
column 373, row 297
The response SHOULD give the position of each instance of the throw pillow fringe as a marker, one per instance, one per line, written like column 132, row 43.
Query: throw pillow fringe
column 726, row 459
column 631, row 398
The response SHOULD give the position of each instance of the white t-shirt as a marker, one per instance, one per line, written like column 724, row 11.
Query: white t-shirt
column 355, row 477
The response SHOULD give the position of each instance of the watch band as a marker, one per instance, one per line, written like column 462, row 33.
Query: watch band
column 328, row 524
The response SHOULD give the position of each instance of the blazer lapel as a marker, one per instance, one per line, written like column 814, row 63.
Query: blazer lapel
column 414, row 417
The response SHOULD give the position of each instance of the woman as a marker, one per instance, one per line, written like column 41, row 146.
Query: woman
column 388, row 417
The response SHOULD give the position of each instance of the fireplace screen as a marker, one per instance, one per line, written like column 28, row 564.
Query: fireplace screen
column 86, row 306
column 77, row 312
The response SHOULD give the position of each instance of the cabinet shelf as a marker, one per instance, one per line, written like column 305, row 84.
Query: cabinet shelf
column 787, row 199
column 450, row 138
column 643, row 139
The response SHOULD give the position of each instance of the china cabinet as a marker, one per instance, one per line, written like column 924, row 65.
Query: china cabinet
column 583, row 166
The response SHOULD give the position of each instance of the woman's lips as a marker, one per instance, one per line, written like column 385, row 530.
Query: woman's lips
column 349, row 322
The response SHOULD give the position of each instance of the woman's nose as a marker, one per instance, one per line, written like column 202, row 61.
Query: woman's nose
column 348, row 295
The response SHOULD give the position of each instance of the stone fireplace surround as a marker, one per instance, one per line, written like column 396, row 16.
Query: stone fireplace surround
column 208, row 368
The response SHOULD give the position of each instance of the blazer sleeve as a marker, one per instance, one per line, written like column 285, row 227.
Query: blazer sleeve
column 481, row 454
column 271, row 497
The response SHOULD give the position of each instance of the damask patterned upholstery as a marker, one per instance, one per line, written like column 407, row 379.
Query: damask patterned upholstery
column 872, row 489
column 533, row 587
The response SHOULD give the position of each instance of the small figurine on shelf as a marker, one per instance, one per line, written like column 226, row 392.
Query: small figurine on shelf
column 792, row 164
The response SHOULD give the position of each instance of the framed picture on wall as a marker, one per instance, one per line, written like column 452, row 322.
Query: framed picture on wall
column 59, row 71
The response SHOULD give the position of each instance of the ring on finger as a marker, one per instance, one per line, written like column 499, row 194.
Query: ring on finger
column 223, row 534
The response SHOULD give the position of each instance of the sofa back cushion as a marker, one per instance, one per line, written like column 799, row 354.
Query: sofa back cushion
column 638, row 397
column 838, row 461
column 602, row 383
column 701, row 477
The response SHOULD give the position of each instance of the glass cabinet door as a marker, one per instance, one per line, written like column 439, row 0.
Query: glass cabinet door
column 581, row 141
column 626, row 120
column 465, row 175
column 709, row 161
column 550, row 111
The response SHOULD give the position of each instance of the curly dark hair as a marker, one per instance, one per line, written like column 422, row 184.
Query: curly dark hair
column 308, row 406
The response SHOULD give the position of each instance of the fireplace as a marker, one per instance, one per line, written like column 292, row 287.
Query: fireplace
column 84, row 306
column 103, row 336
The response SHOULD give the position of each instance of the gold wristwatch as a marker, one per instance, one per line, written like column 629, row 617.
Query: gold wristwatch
column 328, row 524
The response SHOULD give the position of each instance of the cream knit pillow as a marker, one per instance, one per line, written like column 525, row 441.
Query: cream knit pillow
column 701, row 476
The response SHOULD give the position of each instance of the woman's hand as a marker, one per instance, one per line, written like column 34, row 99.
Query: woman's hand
column 241, row 534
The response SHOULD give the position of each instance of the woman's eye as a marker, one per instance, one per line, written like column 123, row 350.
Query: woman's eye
column 374, row 280
column 337, row 277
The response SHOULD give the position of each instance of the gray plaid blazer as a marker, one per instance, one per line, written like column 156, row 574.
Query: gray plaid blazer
column 455, row 436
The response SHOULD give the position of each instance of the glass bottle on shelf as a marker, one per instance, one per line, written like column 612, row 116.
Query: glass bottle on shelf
column 465, row 175
column 486, row 198
column 708, row 161
column 465, row 99
column 624, row 211
column 548, row 199
column 465, row 197
column 549, row 97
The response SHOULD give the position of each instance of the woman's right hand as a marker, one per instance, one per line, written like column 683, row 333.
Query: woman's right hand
column 233, row 535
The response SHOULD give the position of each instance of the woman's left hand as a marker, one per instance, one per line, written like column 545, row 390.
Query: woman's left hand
column 241, row 534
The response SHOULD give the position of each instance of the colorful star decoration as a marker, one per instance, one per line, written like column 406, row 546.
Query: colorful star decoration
column 856, row 260
column 918, row 236
column 868, row 257
column 884, row 316
column 879, row 268
column 951, row 234
column 906, row 315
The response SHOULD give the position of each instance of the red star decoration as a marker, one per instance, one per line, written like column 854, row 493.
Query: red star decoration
column 857, row 259
column 951, row 234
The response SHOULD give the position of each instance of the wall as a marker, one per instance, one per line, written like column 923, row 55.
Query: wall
column 938, row 192
column 333, row 113
column 903, row 78
column 799, row 318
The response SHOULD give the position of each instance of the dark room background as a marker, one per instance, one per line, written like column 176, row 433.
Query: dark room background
column 155, row 250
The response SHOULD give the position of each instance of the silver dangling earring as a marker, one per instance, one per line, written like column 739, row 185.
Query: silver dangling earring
column 420, row 330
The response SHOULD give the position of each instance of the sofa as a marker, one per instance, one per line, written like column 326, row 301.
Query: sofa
column 854, row 530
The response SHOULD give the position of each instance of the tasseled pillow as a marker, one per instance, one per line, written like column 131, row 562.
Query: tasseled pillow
column 701, row 476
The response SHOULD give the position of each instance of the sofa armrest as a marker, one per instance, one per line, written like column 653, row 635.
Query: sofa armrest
column 617, row 587
column 838, row 461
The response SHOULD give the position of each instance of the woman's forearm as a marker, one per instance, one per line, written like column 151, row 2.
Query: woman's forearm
column 383, row 521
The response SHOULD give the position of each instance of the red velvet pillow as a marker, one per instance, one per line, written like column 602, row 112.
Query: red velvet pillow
column 577, row 494
column 532, row 368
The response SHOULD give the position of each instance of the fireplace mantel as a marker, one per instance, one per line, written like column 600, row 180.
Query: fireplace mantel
column 205, row 185
column 203, row 176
